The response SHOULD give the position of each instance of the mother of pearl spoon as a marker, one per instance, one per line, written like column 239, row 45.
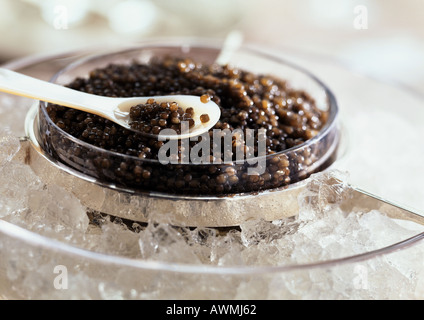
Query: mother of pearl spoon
column 113, row 109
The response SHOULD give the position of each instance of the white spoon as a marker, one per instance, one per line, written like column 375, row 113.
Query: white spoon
column 113, row 109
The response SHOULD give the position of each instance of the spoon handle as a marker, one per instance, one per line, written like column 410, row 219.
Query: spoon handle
column 22, row 85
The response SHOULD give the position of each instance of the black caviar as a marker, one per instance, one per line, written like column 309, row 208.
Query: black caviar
column 247, row 101
column 152, row 117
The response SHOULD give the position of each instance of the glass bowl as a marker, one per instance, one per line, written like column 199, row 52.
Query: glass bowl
column 242, row 176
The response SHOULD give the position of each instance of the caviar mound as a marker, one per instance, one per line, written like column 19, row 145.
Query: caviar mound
column 247, row 101
column 152, row 117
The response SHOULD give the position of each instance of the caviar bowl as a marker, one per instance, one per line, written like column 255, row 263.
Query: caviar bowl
column 191, row 192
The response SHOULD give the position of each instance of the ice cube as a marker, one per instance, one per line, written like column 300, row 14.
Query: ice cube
column 164, row 242
column 28, row 202
column 9, row 146
column 324, row 191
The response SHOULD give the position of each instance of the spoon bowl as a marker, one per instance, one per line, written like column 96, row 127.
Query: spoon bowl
column 116, row 110
column 123, row 106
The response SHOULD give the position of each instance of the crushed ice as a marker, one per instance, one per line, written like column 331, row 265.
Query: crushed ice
column 321, row 231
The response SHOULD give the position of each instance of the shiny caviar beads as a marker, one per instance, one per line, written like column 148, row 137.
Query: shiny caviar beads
column 204, row 118
column 153, row 117
column 247, row 101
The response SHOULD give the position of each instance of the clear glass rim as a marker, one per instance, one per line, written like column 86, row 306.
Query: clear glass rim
column 32, row 238
column 328, row 127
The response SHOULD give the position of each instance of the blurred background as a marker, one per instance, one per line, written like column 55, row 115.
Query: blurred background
column 381, row 38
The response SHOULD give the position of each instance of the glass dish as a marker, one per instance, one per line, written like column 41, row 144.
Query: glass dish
column 280, row 169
